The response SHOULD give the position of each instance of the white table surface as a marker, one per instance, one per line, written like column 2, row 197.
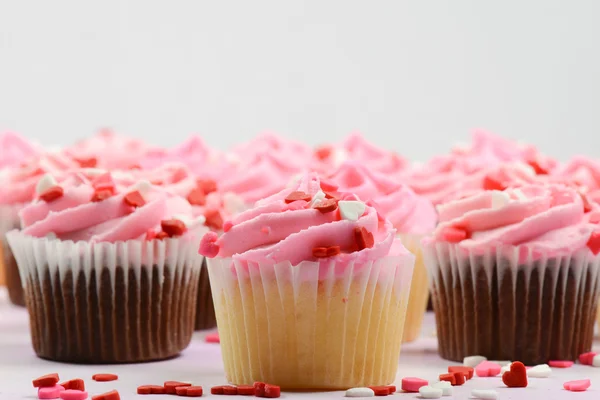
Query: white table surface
column 201, row 364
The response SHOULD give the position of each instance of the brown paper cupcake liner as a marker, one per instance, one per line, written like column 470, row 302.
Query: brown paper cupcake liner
column 505, row 307
column 205, row 310
column 9, row 272
column 109, row 302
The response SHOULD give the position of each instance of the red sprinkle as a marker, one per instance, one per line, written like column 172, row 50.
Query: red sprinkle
column 227, row 225
column 272, row 391
column 561, row 363
column 448, row 378
column 181, row 390
column 467, row 371
column 327, row 205
column 259, row 389
column 392, row 389
column 213, row 219
column 55, row 192
column 380, row 390
column 112, row 395
column 134, row 199
column 74, row 384
column 587, row 358
column 171, row 386
column 105, row 377
column 213, row 338
column 91, row 162
column 173, row 227
column 454, row 234
column 207, row 185
column 216, row 390
column 197, row 197
column 594, row 243
column 102, row 194
column 161, row 235
column 490, row 183
column 459, row 378
column 194, row 391
column 517, row 376
column 230, row 390
column 539, row 170
column 46, row 381
column 323, row 152
column 151, row 389
column 295, row 196
column 323, row 252
column 363, row 238
column 245, row 390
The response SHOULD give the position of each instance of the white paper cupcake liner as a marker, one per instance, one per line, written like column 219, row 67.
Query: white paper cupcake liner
column 9, row 273
column 513, row 303
column 109, row 302
column 312, row 325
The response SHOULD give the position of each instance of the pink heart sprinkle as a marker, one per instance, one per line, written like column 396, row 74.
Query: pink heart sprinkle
column 560, row 364
column 213, row 338
column 577, row 386
column 413, row 384
column 52, row 392
column 487, row 369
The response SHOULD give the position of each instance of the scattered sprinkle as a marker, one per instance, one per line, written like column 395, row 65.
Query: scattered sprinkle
column 429, row 392
column 360, row 392
column 213, row 338
column 539, row 371
column 450, row 378
column 517, row 376
column 50, row 392
column 298, row 195
column 484, row 394
column 473, row 361
column 412, row 385
column 214, row 219
column 363, row 238
column 577, row 386
column 170, row 386
column 73, row 384
column 73, row 395
column 173, row 227
column 55, row 192
column 134, row 199
column 466, row 371
column 49, row 380
column 112, row 395
column 560, row 363
column 324, row 252
column 587, row 358
column 445, row 386
column 105, row 377
column 327, row 205
column 351, row 210
column 487, row 369
column 197, row 197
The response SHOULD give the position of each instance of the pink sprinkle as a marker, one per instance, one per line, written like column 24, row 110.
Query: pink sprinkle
column 208, row 245
column 454, row 234
column 52, row 392
column 413, row 384
column 227, row 226
column 577, row 386
column 487, row 369
column 213, row 338
column 265, row 230
column 560, row 364
column 587, row 358
column 73, row 395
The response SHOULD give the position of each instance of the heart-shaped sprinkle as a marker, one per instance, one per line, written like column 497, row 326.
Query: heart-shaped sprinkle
column 429, row 392
column 55, row 192
column 360, row 392
column 213, row 338
column 112, row 395
column 473, row 361
column 73, row 384
column 487, row 369
column 540, row 371
column 363, row 238
column 214, row 219
column 102, row 194
column 490, row 183
column 466, row 371
column 450, row 378
column 173, row 227
column 412, row 385
column 517, row 376
column 317, row 198
column 244, row 390
column 587, row 358
column 298, row 195
column 207, row 185
column 351, row 210
column 594, row 243
column 227, row 225
column 445, row 386
column 499, row 200
column 577, row 386
column 484, row 394
column 380, row 390
column 197, row 197
column 151, row 389
column 50, row 392
column 560, row 363
column 323, row 252
column 45, row 183
column 502, row 363
column 537, row 167
column 134, row 199
column 596, row 361
column 459, row 378
column 208, row 245
column 73, row 395
column 327, row 205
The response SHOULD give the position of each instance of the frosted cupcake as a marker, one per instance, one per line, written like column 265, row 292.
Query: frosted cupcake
column 582, row 172
column 110, row 273
column 17, row 188
column 413, row 217
column 515, row 275
column 321, row 284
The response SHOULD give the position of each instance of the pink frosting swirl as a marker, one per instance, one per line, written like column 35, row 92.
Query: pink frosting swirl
column 16, row 150
column 74, row 216
column 582, row 172
column 277, row 230
column 407, row 211
column 549, row 218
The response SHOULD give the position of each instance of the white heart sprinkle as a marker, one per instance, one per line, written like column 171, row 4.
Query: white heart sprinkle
column 144, row 187
column 186, row 219
column 540, row 371
column 95, row 172
column 360, row 392
column 518, row 194
column 473, row 361
column 499, row 199
column 317, row 198
column 232, row 203
column 502, row 363
column 351, row 210
column 46, row 182
column 445, row 386
column 429, row 392
column 504, row 369
column 596, row 361
column 484, row 394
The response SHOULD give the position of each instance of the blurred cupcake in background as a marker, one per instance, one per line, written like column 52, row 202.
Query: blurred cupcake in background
column 321, row 283
column 111, row 271
column 412, row 215
column 17, row 189
column 583, row 172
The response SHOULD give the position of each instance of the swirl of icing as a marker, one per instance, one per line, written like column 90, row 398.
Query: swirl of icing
column 16, row 149
column 281, row 228
column 407, row 211
column 545, row 217
column 582, row 172
column 75, row 216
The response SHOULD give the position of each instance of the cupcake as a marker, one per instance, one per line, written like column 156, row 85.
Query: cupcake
column 514, row 275
column 110, row 272
column 411, row 215
column 310, row 292
column 17, row 188
column 582, row 172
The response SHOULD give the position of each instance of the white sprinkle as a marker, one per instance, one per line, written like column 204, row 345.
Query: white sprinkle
column 360, row 392
column 445, row 386
column 351, row 210
column 46, row 182
column 484, row 394
column 94, row 172
column 505, row 368
column 502, row 363
column 473, row 361
column 317, row 198
column 232, row 203
column 294, row 181
column 144, row 187
column 499, row 199
column 540, row 371
column 186, row 219
column 596, row 361
column 518, row 194
column 429, row 392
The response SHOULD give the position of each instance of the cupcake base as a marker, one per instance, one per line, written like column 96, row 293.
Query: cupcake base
column 419, row 290
column 205, row 310
column 499, row 307
column 13, row 279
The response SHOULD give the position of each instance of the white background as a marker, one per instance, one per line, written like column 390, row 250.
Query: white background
column 415, row 76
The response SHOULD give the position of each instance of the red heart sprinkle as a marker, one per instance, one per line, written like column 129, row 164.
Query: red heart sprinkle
column 105, row 377
column 454, row 234
column 161, row 235
column 171, row 386
column 112, row 395
column 197, row 197
column 213, row 338
column 490, row 183
column 230, row 390
column 245, row 390
column 295, row 196
column 259, row 389
column 46, row 381
column 216, row 390
column 134, row 199
column 587, row 358
column 103, row 181
column 333, row 251
column 448, row 378
column 319, row 252
column 459, row 378
column 327, row 205
column 214, row 219
column 102, row 194
column 74, row 384
column 150, row 389
column 91, row 162
column 173, row 227
column 380, row 390
column 181, row 390
column 467, row 371
column 323, row 152
column 517, row 376
column 539, row 169
column 55, row 192
column 363, row 238
column 391, row 389
column 194, row 391
column 594, row 243
column 207, row 185
column 272, row 391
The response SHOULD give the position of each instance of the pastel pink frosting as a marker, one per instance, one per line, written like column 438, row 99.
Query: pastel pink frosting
column 17, row 184
column 547, row 218
column 356, row 147
column 275, row 231
column 408, row 212
column 16, row 150
column 75, row 217
column 582, row 172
